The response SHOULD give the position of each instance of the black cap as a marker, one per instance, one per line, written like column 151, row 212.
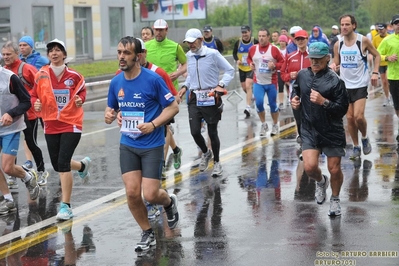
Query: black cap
column 394, row 19
column 245, row 28
column 207, row 28
column 381, row 26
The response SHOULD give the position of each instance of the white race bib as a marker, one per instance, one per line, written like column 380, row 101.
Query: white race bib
column 264, row 66
column 244, row 60
column 348, row 59
column 203, row 99
column 61, row 97
column 130, row 121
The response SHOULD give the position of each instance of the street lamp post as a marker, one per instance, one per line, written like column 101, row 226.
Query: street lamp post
column 250, row 14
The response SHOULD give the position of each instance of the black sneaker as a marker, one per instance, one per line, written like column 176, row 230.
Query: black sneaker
column 172, row 213
column 147, row 240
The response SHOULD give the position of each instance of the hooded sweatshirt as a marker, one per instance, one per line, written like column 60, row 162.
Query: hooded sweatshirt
column 320, row 38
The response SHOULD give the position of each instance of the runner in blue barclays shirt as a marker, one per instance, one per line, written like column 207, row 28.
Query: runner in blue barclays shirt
column 136, row 101
column 145, row 104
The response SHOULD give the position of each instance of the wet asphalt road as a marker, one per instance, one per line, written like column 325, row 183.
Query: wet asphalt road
column 260, row 212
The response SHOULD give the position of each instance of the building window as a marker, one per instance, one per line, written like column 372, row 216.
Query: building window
column 5, row 25
column 42, row 26
column 116, row 19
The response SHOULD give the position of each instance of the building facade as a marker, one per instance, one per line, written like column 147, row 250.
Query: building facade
column 90, row 29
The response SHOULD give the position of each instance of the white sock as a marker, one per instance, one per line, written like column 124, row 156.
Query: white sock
column 8, row 197
column 27, row 177
column 323, row 180
column 364, row 137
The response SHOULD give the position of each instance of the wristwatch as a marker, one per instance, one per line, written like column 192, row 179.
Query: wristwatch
column 221, row 84
column 326, row 103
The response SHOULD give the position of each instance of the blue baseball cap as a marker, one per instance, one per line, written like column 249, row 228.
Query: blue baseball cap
column 318, row 50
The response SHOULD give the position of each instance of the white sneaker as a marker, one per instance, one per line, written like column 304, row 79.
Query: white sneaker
column 386, row 102
column 42, row 175
column 263, row 129
column 320, row 194
column 335, row 208
column 275, row 130
column 217, row 169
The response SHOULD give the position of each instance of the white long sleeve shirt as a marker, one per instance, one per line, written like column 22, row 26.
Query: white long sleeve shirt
column 204, row 68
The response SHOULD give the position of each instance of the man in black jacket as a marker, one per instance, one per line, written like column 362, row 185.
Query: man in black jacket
column 324, row 102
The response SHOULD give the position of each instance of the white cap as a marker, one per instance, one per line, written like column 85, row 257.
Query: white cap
column 372, row 27
column 142, row 44
column 335, row 27
column 160, row 24
column 295, row 29
column 192, row 35
column 57, row 41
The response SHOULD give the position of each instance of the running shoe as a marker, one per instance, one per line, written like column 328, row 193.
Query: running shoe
column 205, row 158
column 32, row 185
column 28, row 164
column 356, row 153
column 335, row 208
column 152, row 210
column 172, row 213
column 87, row 162
column 247, row 112
column 299, row 139
column 275, row 130
column 320, row 195
column 263, row 129
column 7, row 206
column 366, row 146
column 147, row 240
column 43, row 175
column 65, row 212
column 177, row 159
column 12, row 182
column 217, row 169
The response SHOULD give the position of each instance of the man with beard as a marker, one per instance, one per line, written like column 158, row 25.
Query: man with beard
column 146, row 104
